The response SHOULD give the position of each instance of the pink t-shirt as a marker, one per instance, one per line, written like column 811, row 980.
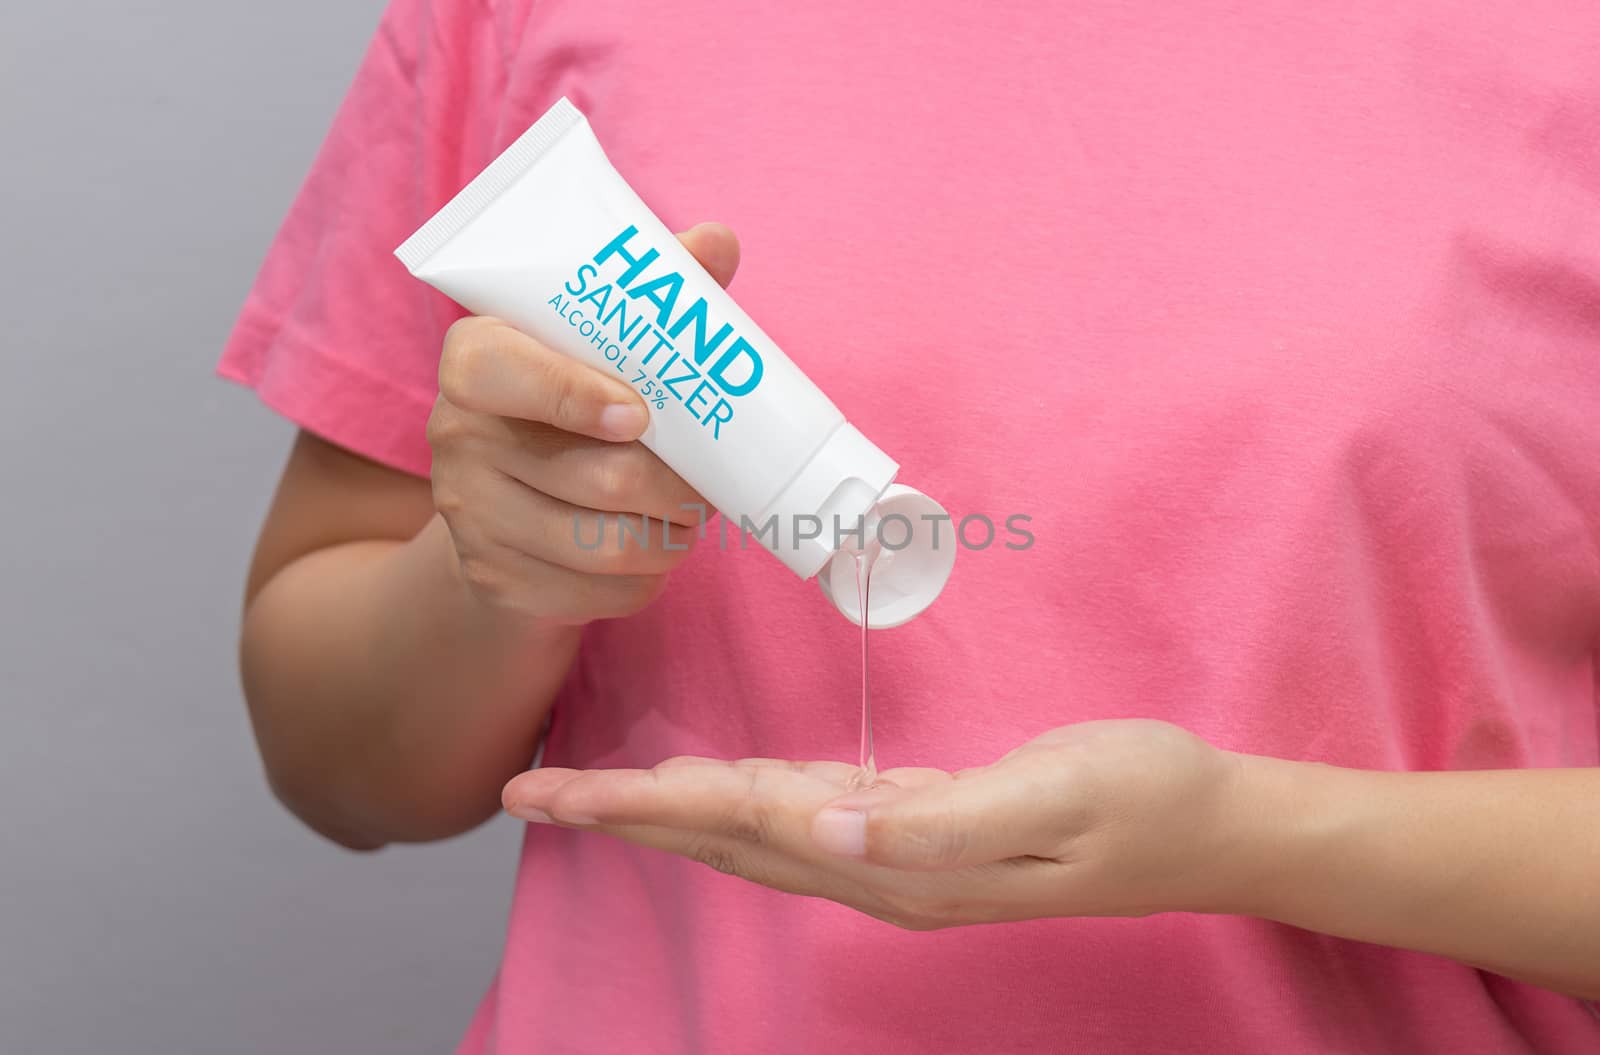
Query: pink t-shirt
column 1281, row 322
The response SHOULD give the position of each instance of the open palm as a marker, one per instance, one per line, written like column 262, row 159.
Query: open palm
column 1102, row 818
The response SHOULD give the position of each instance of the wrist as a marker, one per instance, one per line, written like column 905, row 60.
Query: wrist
column 1288, row 826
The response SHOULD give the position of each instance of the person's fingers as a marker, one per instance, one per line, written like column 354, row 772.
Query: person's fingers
column 766, row 805
column 839, row 773
column 731, row 856
column 912, row 777
column 510, row 579
column 911, row 900
column 488, row 367
column 594, row 474
column 693, row 760
column 836, row 773
column 1000, row 813
column 553, row 795
column 524, row 520
column 716, row 247
column 523, row 791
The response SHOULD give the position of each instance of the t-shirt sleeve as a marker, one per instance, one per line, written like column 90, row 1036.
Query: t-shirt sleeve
column 335, row 334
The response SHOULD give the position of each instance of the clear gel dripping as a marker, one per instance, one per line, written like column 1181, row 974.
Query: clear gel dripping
column 867, row 774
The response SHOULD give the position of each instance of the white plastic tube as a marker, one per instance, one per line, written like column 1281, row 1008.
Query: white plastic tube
column 552, row 240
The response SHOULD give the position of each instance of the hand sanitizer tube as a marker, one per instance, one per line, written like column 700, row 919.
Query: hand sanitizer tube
column 552, row 240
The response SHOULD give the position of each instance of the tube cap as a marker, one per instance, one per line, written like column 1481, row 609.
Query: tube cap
column 834, row 491
column 914, row 560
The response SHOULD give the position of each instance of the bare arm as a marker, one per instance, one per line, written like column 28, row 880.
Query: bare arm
column 1500, row 869
column 403, row 642
column 387, row 701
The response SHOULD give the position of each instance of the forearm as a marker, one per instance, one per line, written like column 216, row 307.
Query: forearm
column 388, row 703
column 1500, row 870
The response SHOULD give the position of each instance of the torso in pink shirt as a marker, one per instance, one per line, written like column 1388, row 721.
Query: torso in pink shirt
column 1283, row 325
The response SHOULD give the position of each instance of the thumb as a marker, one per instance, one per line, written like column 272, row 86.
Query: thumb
column 986, row 815
column 716, row 247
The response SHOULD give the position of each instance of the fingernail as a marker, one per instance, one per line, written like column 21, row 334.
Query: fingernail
column 576, row 818
column 623, row 421
column 528, row 813
column 842, row 832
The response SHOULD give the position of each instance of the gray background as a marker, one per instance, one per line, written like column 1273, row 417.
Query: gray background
column 153, row 896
